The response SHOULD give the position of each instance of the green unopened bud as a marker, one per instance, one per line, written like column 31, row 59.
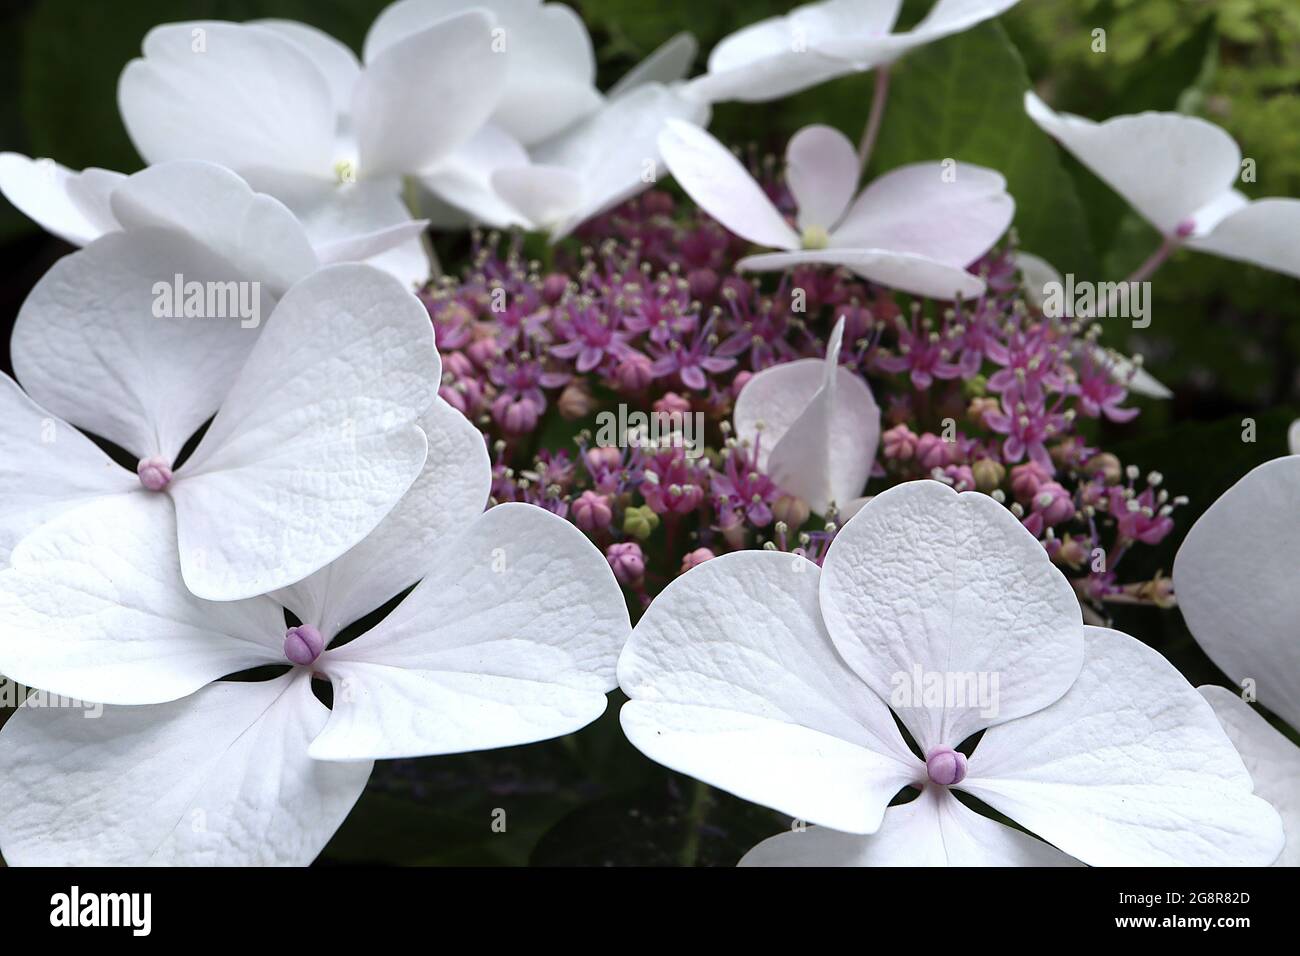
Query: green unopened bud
column 988, row 474
column 976, row 386
column 640, row 522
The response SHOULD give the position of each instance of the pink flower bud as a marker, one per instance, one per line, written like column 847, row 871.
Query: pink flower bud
column 1025, row 480
column 899, row 443
column 553, row 287
column 933, row 452
column 591, row 512
column 633, row 373
column 696, row 558
column 627, row 561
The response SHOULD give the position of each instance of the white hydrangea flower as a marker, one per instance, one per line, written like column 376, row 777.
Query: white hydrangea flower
column 816, row 427
column 914, row 229
column 763, row 675
column 1235, row 580
column 338, row 138
column 1178, row 173
column 510, row 636
column 315, row 436
column 550, row 76
column 186, row 195
column 821, row 41
column 556, row 152
column 602, row 161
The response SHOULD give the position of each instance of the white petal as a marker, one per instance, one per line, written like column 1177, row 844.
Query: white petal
column 782, row 55
column 950, row 584
column 903, row 271
column 425, row 95
column 47, row 467
column 183, row 102
column 94, row 608
column 615, row 151
column 1234, row 576
column 1129, row 768
column 945, row 18
column 1293, row 437
column 822, row 171
column 349, row 212
column 73, row 206
column 1036, row 273
column 1130, row 374
column 511, row 638
column 372, row 245
column 1272, row 760
column 336, row 61
column 1263, row 233
column 950, row 214
column 450, row 493
column 1165, row 164
column 544, row 196
column 932, row 830
column 821, row 427
column 722, row 187
column 734, row 680
column 551, row 64
column 463, row 181
column 258, row 236
column 670, row 63
column 102, row 343
column 221, row 778
column 317, row 439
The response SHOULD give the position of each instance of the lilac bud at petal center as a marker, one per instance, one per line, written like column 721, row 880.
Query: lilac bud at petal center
column 946, row 766
column 155, row 473
column 303, row 644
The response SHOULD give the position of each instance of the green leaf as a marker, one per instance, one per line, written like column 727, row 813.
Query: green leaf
column 962, row 98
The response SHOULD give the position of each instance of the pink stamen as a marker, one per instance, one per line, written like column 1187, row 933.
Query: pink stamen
column 303, row 644
column 155, row 473
column 946, row 766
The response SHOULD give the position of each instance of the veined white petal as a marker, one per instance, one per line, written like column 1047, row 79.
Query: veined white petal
column 950, row 610
column 220, row 778
column 734, row 680
column 510, row 638
column 1129, row 768
column 1236, row 587
column 317, row 439
column 932, row 830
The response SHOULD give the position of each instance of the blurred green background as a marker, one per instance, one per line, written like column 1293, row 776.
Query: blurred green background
column 1224, row 336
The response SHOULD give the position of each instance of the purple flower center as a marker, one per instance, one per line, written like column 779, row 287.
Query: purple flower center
column 303, row 644
column 155, row 473
column 946, row 766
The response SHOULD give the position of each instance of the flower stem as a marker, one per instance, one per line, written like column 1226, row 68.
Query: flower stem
column 1156, row 259
column 410, row 196
column 878, row 97
column 695, row 815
